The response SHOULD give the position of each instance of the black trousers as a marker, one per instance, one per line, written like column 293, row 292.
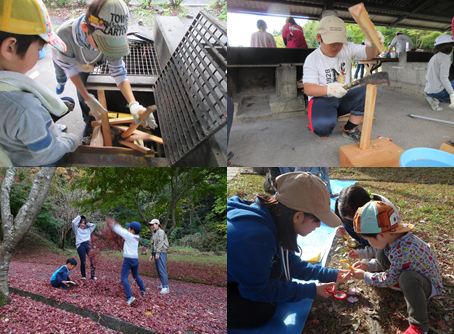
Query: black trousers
column 244, row 313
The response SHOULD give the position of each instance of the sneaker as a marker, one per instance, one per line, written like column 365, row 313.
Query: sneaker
column 434, row 104
column 143, row 293
column 164, row 291
column 93, row 278
column 414, row 330
column 60, row 88
column 61, row 127
column 159, row 286
column 131, row 300
column 354, row 133
column 84, row 278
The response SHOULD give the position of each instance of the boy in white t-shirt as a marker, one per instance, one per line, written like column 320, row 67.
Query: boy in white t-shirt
column 325, row 71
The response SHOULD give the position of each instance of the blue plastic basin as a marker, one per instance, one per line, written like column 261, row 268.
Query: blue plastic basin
column 426, row 157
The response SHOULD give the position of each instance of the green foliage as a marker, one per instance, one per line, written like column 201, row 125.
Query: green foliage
column 175, row 3
column 204, row 242
column 310, row 33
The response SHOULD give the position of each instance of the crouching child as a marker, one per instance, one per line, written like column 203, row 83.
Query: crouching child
column 60, row 278
column 403, row 262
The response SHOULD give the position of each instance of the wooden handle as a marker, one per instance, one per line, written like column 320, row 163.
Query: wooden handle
column 142, row 149
column 143, row 115
column 361, row 17
column 142, row 134
column 351, row 85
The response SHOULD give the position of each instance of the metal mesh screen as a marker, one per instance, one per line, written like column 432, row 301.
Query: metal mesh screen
column 191, row 92
column 142, row 60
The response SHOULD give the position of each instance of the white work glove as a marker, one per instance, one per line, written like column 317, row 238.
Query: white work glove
column 78, row 140
column 134, row 108
column 451, row 96
column 336, row 89
column 380, row 35
column 94, row 106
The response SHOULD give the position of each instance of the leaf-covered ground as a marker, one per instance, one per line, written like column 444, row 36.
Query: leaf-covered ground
column 189, row 306
column 425, row 198
column 25, row 315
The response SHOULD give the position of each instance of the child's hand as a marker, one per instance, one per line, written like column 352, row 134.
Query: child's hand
column 343, row 275
column 109, row 221
column 361, row 265
column 151, row 258
column 353, row 254
column 358, row 274
column 340, row 232
column 321, row 289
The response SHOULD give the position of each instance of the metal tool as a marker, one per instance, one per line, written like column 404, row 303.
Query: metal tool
column 373, row 79
column 431, row 119
column 346, row 264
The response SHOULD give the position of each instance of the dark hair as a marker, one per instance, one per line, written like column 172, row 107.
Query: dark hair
column 399, row 33
column 290, row 20
column 261, row 23
column 93, row 9
column 72, row 261
column 443, row 48
column 283, row 219
column 350, row 199
column 23, row 42
column 135, row 231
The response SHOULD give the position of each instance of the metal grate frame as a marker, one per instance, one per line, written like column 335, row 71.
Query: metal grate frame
column 191, row 92
column 141, row 61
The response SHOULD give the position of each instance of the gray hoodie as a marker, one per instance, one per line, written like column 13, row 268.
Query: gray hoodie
column 27, row 132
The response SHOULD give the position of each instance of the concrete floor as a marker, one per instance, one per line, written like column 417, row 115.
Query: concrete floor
column 288, row 141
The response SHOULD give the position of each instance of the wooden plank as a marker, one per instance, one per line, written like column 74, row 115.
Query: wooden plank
column 97, row 138
column 113, row 121
column 113, row 114
column 104, row 118
column 369, row 108
column 360, row 15
column 447, row 147
column 381, row 153
column 144, row 136
column 142, row 116
column 139, row 148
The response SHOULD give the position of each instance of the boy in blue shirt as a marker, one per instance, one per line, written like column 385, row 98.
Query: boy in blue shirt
column 130, row 254
column 60, row 278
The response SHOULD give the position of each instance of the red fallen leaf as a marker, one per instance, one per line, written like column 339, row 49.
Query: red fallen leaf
column 393, row 305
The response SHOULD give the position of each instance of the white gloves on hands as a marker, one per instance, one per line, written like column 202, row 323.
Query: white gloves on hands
column 336, row 89
column 134, row 108
column 380, row 35
column 451, row 96
column 94, row 106
column 78, row 140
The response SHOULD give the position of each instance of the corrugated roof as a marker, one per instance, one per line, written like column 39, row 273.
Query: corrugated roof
column 412, row 14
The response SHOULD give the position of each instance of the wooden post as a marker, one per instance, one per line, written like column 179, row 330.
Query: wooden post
column 104, row 119
column 369, row 108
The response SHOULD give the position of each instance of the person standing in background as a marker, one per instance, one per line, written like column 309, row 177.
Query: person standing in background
column 261, row 38
column 293, row 35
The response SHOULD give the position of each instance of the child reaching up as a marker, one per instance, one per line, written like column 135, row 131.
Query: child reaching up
column 438, row 87
column 60, row 278
column 130, row 254
column 405, row 262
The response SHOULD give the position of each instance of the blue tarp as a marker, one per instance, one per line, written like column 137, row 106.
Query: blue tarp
column 291, row 317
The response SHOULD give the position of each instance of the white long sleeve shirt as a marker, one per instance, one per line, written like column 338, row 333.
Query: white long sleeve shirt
column 82, row 235
column 131, row 242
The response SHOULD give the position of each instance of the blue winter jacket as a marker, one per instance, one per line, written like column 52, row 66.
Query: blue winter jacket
column 252, row 255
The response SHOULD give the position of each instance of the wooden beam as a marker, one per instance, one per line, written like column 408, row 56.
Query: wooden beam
column 104, row 119
column 137, row 134
column 369, row 108
column 361, row 17
column 143, row 115
column 113, row 121
column 139, row 148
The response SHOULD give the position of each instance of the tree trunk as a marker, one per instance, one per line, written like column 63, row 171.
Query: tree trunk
column 16, row 228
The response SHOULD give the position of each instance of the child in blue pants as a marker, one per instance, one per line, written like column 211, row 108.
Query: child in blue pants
column 130, row 254
column 60, row 278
